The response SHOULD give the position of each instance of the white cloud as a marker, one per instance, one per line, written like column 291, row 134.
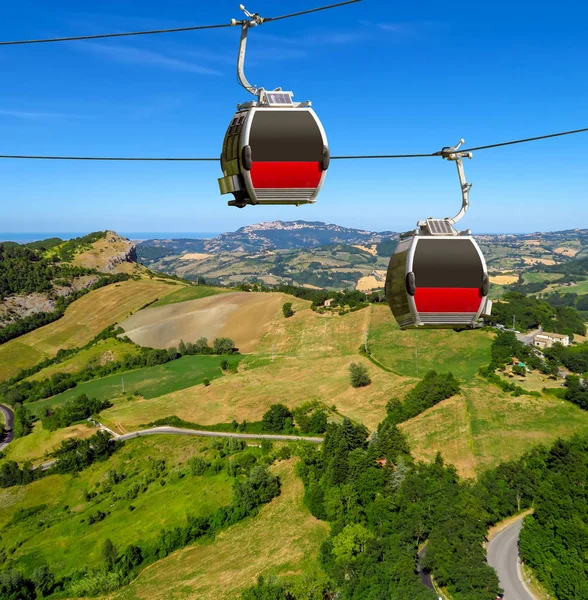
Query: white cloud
column 37, row 116
column 148, row 58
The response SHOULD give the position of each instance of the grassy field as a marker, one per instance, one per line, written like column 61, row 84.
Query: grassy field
column 148, row 382
column 83, row 319
column 580, row 288
column 101, row 353
column 484, row 426
column 192, row 292
column 305, row 357
column 248, row 394
column 282, row 539
column 241, row 316
column 65, row 535
column 530, row 277
column 413, row 353
column 34, row 446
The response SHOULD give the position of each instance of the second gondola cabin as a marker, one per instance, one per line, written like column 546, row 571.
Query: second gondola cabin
column 275, row 152
column 437, row 282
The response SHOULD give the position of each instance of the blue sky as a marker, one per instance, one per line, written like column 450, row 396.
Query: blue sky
column 384, row 77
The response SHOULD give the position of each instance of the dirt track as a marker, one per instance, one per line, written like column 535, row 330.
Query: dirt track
column 241, row 316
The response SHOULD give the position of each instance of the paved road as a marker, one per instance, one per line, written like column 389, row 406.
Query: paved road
column 503, row 555
column 166, row 430
column 247, row 436
column 9, row 420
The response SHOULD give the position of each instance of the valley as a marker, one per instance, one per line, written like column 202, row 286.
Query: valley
column 136, row 345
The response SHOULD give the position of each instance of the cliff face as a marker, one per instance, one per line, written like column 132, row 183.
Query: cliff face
column 111, row 254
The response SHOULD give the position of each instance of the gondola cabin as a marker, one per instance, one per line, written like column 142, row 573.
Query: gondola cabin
column 275, row 152
column 437, row 282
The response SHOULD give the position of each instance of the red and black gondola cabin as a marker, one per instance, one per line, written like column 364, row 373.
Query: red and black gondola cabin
column 274, row 152
column 437, row 282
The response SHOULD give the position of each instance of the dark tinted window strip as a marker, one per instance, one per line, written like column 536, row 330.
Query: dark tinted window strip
column 447, row 263
column 285, row 136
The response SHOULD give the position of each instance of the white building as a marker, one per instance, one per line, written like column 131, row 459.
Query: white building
column 546, row 340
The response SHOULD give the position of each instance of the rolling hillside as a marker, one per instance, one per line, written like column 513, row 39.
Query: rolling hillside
column 329, row 256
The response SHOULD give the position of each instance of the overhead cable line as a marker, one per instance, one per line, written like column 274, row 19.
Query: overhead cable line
column 174, row 30
column 347, row 157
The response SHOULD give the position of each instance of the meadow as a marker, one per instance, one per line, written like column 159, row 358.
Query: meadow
column 283, row 539
column 191, row 292
column 412, row 353
column 40, row 442
column 62, row 505
column 100, row 353
column 82, row 321
column 484, row 426
column 148, row 382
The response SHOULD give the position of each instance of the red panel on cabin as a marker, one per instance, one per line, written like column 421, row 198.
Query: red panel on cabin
column 286, row 174
column 440, row 300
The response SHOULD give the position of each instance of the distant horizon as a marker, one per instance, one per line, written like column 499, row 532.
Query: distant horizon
column 24, row 237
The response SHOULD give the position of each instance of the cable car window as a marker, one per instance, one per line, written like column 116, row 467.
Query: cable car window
column 453, row 263
column 285, row 136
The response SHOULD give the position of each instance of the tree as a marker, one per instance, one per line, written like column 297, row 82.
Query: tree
column 223, row 346
column 359, row 375
column 318, row 421
column 44, row 580
column 109, row 554
column 277, row 418
column 350, row 543
column 287, row 309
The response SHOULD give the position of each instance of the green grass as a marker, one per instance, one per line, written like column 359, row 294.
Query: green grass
column 484, row 426
column 148, row 382
column 100, row 353
column 59, row 537
column 412, row 353
column 34, row 446
column 530, row 277
column 283, row 539
column 192, row 292
column 580, row 288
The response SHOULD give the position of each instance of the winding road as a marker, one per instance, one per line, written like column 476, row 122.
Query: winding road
column 503, row 555
column 201, row 433
column 9, row 420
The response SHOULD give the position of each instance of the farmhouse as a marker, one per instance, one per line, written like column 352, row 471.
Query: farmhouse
column 546, row 340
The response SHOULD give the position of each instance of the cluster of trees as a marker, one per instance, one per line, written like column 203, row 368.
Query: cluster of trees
column 432, row 389
column 382, row 506
column 75, row 410
column 72, row 456
column 574, row 358
column 577, row 391
column 23, row 422
column 69, row 249
column 33, row 390
column 280, row 419
column 529, row 312
column 579, row 302
column 26, row 324
column 24, row 271
column 254, row 487
column 555, row 537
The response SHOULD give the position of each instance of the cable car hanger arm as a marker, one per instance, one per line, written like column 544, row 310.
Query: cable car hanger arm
column 451, row 153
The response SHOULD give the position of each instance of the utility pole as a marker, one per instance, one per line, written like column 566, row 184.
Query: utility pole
column 366, row 340
column 513, row 321
column 123, row 384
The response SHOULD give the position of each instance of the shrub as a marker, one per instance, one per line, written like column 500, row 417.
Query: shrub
column 359, row 375
column 287, row 309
